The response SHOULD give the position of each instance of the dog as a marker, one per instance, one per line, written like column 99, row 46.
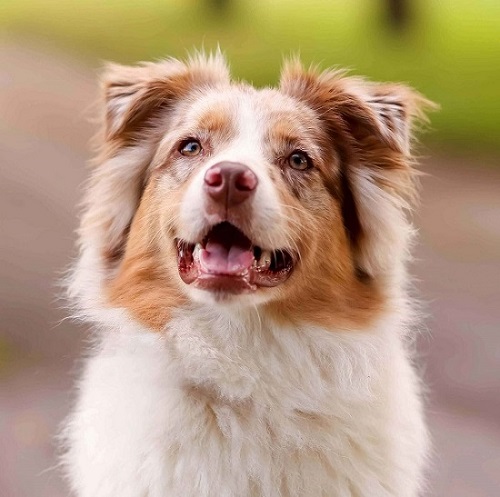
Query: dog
column 242, row 259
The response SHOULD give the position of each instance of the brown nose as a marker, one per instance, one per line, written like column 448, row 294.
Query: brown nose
column 230, row 183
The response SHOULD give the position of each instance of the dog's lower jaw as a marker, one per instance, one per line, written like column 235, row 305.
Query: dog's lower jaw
column 245, row 409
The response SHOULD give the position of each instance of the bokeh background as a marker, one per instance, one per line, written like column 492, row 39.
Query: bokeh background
column 50, row 53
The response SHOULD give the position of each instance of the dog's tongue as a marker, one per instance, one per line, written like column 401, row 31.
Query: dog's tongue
column 220, row 259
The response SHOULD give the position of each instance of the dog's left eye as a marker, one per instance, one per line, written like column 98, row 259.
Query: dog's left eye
column 299, row 160
column 190, row 147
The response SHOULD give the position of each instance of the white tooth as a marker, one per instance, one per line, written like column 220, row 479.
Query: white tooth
column 265, row 259
column 196, row 251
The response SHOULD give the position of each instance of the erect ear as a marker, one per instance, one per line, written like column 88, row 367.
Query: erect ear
column 134, row 99
column 371, row 125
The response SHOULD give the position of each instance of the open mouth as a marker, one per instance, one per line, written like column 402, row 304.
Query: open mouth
column 226, row 260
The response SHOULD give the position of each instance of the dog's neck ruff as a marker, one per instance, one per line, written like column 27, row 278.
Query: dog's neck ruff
column 229, row 403
column 235, row 354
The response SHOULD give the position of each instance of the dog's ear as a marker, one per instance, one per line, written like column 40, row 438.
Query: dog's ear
column 136, row 103
column 134, row 95
column 371, row 125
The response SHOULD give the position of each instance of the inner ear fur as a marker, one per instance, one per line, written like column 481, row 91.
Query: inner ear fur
column 371, row 125
column 133, row 98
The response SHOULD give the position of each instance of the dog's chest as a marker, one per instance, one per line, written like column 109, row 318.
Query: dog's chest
column 248, row 449
column 270, row 409
column 201, row 415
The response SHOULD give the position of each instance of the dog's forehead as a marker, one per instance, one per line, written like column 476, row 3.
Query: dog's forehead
column 237, row 103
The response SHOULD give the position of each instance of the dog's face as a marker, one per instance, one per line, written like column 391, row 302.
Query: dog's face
column 219, row 193
column 241, row 190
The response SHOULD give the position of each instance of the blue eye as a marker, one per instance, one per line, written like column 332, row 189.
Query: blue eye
column 190, row 147
column 299, row 160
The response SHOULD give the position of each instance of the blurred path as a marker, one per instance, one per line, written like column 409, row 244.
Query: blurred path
column 43, row 147
column 458, row 265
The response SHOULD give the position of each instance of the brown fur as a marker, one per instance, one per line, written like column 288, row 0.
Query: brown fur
column 328, row 290
column 154, row 86
column 145, row 283
column 217, row 121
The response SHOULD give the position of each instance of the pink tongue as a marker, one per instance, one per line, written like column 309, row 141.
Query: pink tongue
column 215, row 258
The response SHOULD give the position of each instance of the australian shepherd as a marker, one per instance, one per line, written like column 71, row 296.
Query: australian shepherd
column 242, row 260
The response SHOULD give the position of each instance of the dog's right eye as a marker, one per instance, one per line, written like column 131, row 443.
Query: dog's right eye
column 190, row 147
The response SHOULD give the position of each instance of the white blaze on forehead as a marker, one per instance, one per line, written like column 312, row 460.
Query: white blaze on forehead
column 251, row 130
column 247, row 146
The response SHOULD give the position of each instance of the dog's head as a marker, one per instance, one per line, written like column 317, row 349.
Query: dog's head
column 216, row 192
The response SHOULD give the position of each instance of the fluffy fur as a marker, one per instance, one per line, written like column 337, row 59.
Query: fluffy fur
column 301, row 390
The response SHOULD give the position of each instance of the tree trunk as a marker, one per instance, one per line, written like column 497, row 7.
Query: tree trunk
column 398, row 13
column 219, row 6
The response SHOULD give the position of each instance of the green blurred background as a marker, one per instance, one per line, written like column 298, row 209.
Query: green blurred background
column 447, row 49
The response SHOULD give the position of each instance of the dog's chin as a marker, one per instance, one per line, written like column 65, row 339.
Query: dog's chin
column 226, row 264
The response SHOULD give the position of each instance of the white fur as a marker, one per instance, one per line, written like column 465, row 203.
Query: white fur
column 228, row 405
column 387, row 231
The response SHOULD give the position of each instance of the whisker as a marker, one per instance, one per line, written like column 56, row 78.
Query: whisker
column 299, row 209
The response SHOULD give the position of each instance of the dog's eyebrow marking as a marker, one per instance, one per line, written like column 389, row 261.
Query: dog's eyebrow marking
column 284, row 132
column 217, row 119
column 283, row 141
column 290, row 133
